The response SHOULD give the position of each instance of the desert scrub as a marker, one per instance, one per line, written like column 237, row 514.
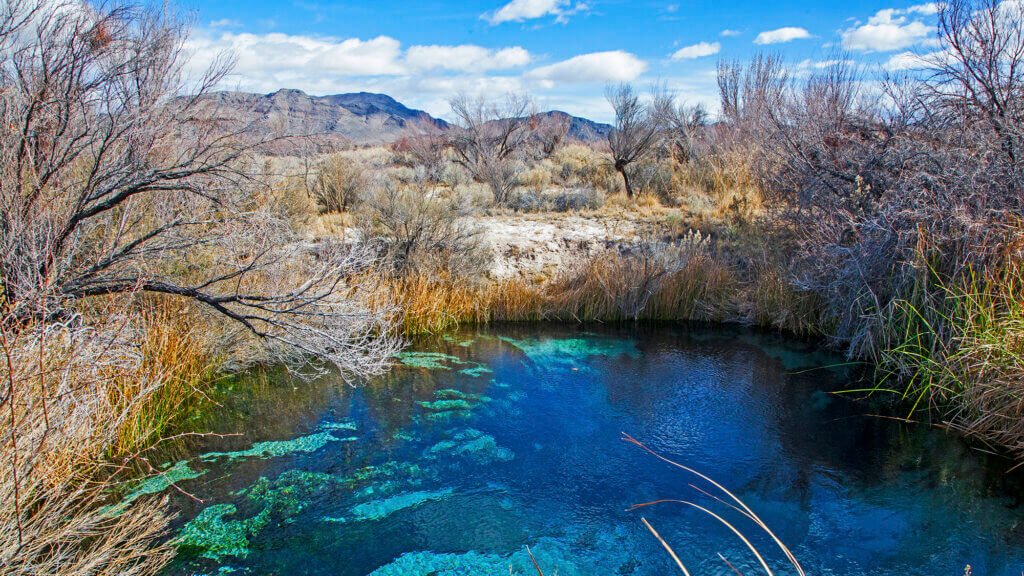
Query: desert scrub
column 422, row 228
column 578, row 164
column 338, row 184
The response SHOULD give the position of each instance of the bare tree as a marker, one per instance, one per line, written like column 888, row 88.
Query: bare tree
column 111, row 182
column 635, row 132
column 424, row 146
column 549, row 131
column 492, row 138
column 680, row 124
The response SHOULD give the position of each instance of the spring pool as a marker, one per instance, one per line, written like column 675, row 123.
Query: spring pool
column 480, row 443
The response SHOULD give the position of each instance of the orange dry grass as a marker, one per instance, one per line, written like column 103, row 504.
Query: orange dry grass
column 175, row 350
column 603, row 289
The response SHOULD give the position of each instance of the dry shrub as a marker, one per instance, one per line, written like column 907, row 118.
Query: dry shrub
column 420, row 231
column 538, row 177
column 338, row 184
column 581, row 165
column 773, row 302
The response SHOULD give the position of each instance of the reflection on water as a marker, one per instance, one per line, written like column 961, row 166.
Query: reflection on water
column 480, row 443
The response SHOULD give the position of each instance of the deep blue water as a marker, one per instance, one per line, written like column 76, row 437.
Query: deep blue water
column 482, row 443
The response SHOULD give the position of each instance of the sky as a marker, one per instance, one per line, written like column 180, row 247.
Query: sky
column 563, row 53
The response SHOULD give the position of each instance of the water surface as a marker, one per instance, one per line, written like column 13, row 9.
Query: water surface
column 481, row 443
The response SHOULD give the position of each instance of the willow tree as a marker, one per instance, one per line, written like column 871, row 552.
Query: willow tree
column 635, row 132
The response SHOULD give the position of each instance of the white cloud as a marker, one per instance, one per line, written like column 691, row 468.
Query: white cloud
column 904, row 61
column 823, row 64
column 699, row 50
column 225, row 23
column 466, row 58
column 615, row 66
column 261, row 55
column 916, row 61
column 781, row 35
column 287, row 59
column 930, row 9
column 889, row 30
column 727, row 32
column 419, row 76
column 520, row 10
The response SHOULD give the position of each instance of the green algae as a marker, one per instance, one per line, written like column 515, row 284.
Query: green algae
column 435, row 564
column 404, row 435
column 180, row 472
column 604, row 556
column 473, row 444
column 290, row 493
column 346, row 425
column 447, row 417
column 427, row 360
column 452, row 394
column 215, row 536
column 451, row 404
column 464, row 342
column 476, row 371
column 446, row 405
column 378, row 509
column 441, row 361
column 572, row 352
column 276, row 448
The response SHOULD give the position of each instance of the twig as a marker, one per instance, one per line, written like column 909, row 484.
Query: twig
column 671, row 552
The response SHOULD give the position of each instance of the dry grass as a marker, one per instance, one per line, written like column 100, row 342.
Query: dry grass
column 609, row 287
column 82, row 405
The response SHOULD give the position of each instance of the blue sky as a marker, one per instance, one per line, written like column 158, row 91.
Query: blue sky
column 562, row 52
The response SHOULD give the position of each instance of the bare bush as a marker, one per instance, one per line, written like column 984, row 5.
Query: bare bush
column 423, row 146
column 338, row 184
column 549, row 131
column 420, row 231
column 492, row 140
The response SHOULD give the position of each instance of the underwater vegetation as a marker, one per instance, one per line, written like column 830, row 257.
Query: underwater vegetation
column 377, row 509
column 555, row 555
column 441, row 361
column 472, row 444
column 571, row 353
column 275, row 448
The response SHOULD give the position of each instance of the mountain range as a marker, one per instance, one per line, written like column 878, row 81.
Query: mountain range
column 328, row 123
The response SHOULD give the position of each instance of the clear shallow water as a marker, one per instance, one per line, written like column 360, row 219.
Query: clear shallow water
column 482, row 443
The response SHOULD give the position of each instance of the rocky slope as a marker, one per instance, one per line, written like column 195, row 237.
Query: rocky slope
column 326, row 123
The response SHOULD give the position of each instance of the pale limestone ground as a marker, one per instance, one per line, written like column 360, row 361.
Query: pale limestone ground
column 542, row 244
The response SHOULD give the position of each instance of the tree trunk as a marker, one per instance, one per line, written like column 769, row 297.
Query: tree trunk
column 625, row 179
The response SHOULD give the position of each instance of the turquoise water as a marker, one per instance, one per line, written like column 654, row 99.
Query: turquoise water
column 479, row 444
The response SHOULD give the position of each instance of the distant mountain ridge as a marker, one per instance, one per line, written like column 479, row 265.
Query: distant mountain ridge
column 333, row 122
